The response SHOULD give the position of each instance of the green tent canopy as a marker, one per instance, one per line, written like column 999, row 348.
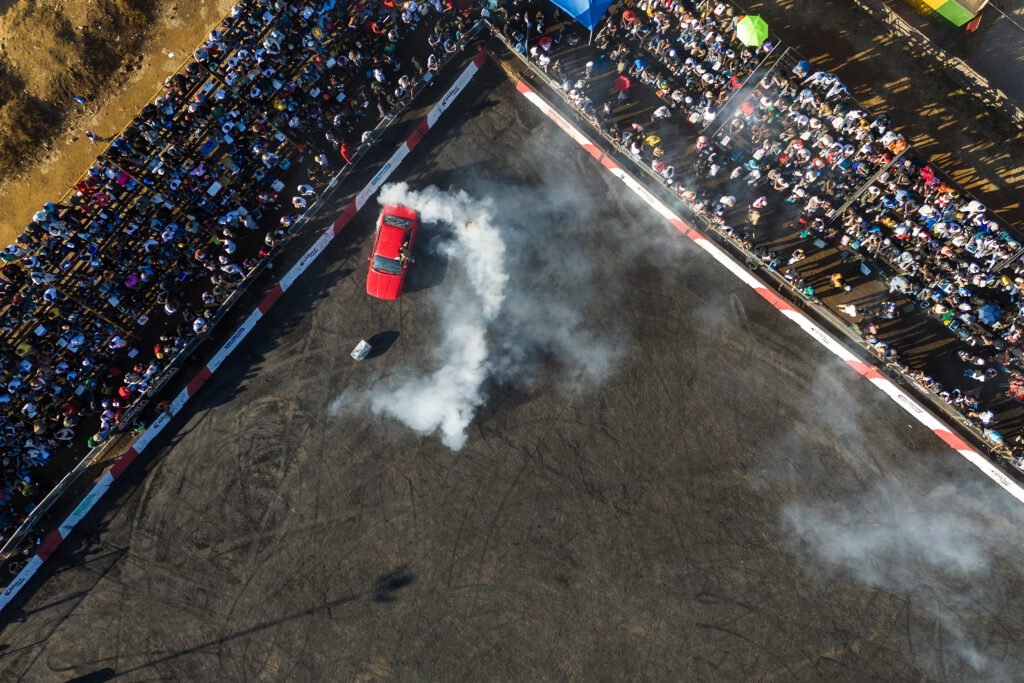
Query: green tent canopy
column 958, row 12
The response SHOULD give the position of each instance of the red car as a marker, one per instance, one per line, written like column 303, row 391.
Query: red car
column 392, row 251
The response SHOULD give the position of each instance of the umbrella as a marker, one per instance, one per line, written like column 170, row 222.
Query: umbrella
column 621, row 84
column 803, row 68
column 989, row 314
column 752, row 30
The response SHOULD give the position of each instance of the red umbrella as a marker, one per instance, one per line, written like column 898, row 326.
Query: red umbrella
column 621, row 84
column 747, row 107
column 629, row 16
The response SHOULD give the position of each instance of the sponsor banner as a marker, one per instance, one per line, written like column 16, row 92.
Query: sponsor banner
column 307, row 259
column 993, row 472
column 907, row 402
column 382, row 175
column 19, row 581
column 154, row 429
column 229, row 345
column 822, row 337
column 179, row 401
column 234, row 340
column 453, row 93
column 86, row 504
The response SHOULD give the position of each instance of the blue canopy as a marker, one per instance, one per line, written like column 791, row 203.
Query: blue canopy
column 587, row 13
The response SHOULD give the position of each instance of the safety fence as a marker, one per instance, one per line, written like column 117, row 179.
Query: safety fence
column 132, row 414
column 753, row 261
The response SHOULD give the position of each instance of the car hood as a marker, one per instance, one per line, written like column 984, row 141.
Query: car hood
column 383, row 285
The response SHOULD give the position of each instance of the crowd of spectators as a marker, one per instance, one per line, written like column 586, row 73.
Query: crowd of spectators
column 792, row 139
column 103, row 289
column 799, row 135
column 690, row 59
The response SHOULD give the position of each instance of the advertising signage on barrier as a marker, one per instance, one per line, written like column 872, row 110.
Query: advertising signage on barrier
column 26, row 573
column 82, row 509
column 450, row 96
column 234, row 339
column 382, row 174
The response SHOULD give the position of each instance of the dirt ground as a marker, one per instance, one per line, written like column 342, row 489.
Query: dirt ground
column 723, row 501
column 112, row 53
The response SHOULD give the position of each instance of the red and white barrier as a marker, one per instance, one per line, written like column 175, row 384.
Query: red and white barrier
column 57, row 536
column 869, row 372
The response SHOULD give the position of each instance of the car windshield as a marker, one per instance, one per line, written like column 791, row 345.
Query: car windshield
column 387, row 265
column 397, row 222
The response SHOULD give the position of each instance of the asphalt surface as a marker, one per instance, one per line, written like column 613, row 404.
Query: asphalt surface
column 667, row 480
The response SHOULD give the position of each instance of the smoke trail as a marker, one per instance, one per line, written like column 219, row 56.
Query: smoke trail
column 919, row 545
column 446, row 399
column 953, row 550
column 886, row 538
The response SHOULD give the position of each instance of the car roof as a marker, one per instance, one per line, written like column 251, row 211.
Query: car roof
column 390, row 239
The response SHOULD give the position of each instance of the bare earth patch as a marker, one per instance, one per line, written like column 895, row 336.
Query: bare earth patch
column 114, row 54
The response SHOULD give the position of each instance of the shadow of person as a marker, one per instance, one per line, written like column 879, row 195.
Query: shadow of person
column 386, row 585
column 98, row 676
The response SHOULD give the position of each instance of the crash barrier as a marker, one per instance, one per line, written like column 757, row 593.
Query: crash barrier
column 882, row 262
column 26, row 529
column 723, row 257
column 1010, row 250
column 146, row 437
column 753, row 261
column 150, row 194
column 142, row 187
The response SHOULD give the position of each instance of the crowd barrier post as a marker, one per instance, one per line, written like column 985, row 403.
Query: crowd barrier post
column 838, row 213
column 743, row 89
column 1009, row 261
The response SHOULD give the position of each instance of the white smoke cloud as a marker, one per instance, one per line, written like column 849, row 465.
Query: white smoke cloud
column 446, row 399
column 886, row 538
column 952, row 549
column 925, row 545
column 476, row 241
